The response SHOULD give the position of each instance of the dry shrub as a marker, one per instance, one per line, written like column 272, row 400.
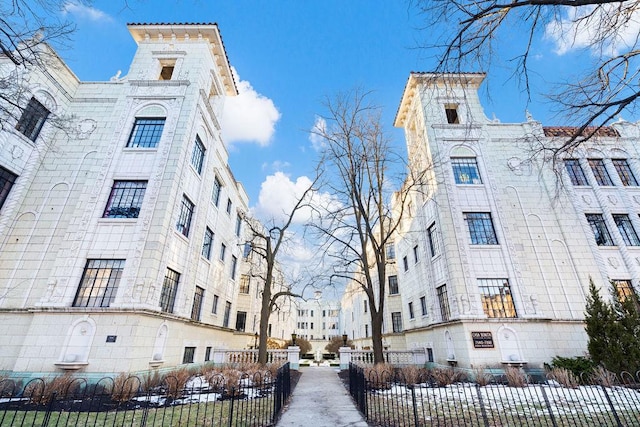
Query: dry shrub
column 564, row 377
column 272, row 368
column 603, row 377
column 482, row 377
column 446, row 376
column 378, row 376
column 125, row 387
column 8, row 387
column 232, row 379
column 515, row 377
column 176, row 382
column 151, row 380
column 41, row 391
column 411, row 374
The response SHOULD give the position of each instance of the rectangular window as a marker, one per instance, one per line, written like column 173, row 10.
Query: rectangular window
column 32, row 119
column 217, row 190
column 624, row 172
column 366, row 306
column 223, row 251
column 451, row 110
column 415, row 254
column 390, row 251
column 229, row 205
column 600, row 172
column 99, row 283
column 198, row 299
column 207, row 243
column 496, row 298
column 238, row 224
column 393, row 285
column 411, row 314
column 245, row 283
column 146, row 133
column 186, row 214
column 207, row 354
column 7, row 179
column 481, row 228
column 214, row 306
column 465, row 170
column 166, row 72
column 405, row 263
column 423, row 305
column 600, row 230
column 624, row 290
column 433, row 243
column 366, row 331
column 241, row 320
column 125, row 199
column 227, row 314
column 396, row 322
column 576, row 174
column 443, row 302
column 169, row 291
column 189, row 354
column 234, row 266
column 197, row 157
column 625, row 227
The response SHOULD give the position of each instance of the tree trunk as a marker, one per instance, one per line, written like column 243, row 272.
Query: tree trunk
column 376, row 335
column 265, row 313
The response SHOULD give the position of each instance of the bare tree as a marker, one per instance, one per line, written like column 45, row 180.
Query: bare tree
column 608, row 85
column 361, row 169
column 266, row 244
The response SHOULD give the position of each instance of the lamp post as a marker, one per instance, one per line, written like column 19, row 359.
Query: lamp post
column 255, row 341
column 344, row 340
column 293, row 338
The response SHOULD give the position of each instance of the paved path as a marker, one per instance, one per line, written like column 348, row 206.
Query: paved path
column 320, row 400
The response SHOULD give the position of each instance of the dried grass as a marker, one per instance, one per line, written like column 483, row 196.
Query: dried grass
column 411, row 375
column 379, row 376
column 41, row 391
column 151, row 380
column 125, row 387
column 481, row 376
column 515, row 377
column 447, row 376
column 176, row 382
column 603, row 377
column 564, row 377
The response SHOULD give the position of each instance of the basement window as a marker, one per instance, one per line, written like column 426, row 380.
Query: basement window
column 451, row 110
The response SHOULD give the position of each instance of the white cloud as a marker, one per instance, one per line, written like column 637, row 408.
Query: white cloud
column 574, row 31
column 276, row 166
column 85, row 12
column 249, row 116
column 319, row 127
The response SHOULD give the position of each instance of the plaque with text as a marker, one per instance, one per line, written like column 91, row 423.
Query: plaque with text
column 482, row 339
column 111, row 338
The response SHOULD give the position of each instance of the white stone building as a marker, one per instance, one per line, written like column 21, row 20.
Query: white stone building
column 318, row 321
column 121, row 239
column 493, row 264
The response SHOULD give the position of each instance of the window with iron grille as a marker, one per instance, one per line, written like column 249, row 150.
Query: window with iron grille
column 443, row 302
column 624, row 172
column 600, row 230
column 423, row 305
column 396, row 322
column 189, row 355
column 497, row 300
column 197, row 157
column 125, row 199
column 196, row 308
column 465, row 170
column 411, row 314
column 146, row 133
column 207, row 243
column 227, row 314
column 433, row 243
column 625, row 227
column 600, row 172
column 217, row 190
column 32, row 119
column 214, row 306
column 245, row 283
column 169, row 291
column 186, row 214
column 481, row 228
column 99, row 283
column 7, row 179
column 575, row 172
column 241, row 320
column 234, row 266
column 393, row 285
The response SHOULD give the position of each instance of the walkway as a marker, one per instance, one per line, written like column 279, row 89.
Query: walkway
column 320, row 400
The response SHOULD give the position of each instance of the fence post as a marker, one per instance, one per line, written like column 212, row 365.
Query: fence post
column 415, row 407
column 546, row 400
column 231, row 420
column 47, row 414
column 293, row 356
column 345, row 357
column 613, row 409
column 483, row 410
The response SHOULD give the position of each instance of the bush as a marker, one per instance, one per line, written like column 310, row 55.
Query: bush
column 305, row 346
column 176, row 382
column 335, row 344
column 446, row 376
column 515, row 377
column 124, row 387
column 411, row 375
column 581, row 367
column 481, row 377
column 41, row 391
column 564, row 377
column 379, row 376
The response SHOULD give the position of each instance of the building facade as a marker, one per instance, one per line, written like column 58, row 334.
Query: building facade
column 121, row 231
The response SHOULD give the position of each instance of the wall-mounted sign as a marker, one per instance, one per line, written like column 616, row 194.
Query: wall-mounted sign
column 482, row 339
column 111, row 338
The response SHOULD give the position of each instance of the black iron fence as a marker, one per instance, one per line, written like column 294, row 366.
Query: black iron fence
column 394, row 398
column 229, row 398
